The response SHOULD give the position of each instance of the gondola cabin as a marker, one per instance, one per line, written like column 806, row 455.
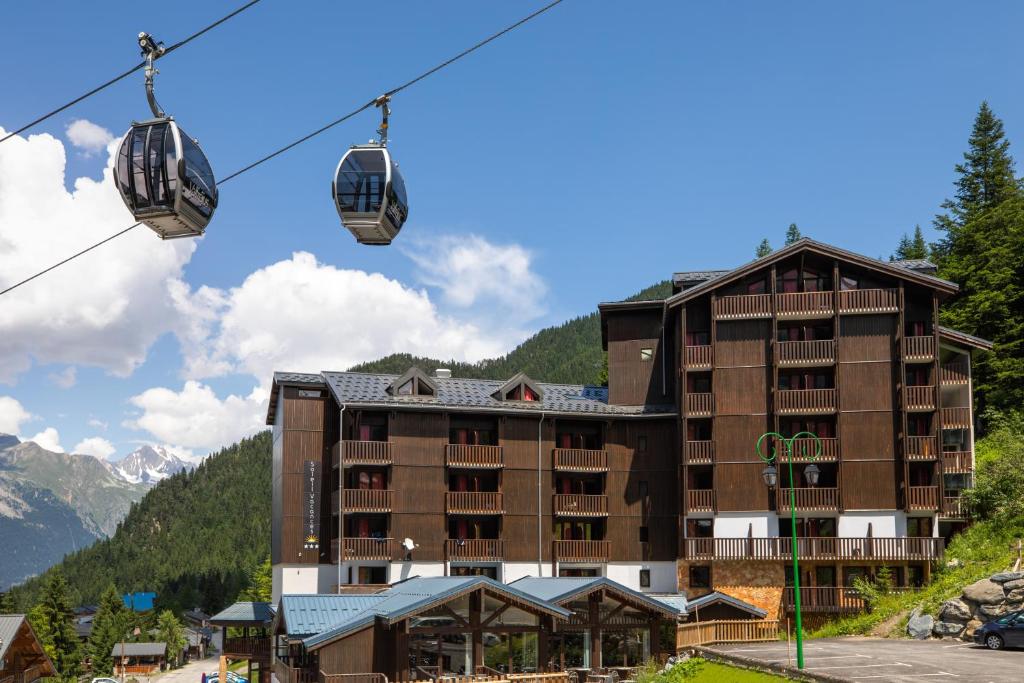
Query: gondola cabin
column 165, row 180
column 369, row 193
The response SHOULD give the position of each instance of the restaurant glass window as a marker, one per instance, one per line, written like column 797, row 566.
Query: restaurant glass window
column 625, row 647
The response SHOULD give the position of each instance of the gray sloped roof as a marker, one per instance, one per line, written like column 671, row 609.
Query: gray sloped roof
column 964, row 338
column 716, row 597
column 693, row 277
column 564, row 588
column 139, row 650
column 244, row 612
column 9, row 626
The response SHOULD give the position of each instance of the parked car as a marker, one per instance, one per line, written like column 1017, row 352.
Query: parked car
column 104, row 680
column 1004, row 631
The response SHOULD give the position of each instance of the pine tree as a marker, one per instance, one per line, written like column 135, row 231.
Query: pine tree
column 260, row 583
column 54, row 624
column 911, row 247
column 7, row 605
column 109, row 626
column 169, row 630
column 792, row 234
column 763, row 249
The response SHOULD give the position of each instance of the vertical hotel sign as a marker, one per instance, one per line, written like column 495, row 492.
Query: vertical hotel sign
column 311, row 506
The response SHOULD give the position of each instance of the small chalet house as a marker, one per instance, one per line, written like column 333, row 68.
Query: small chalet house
column 138, row 658
column 22, row 658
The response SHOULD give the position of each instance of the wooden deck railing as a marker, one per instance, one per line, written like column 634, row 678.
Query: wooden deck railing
column 700, row 452
column 726, row 631
column 581, row 551
column 818, row 498
column 137, row 669
column 476, row 549
column 365, row 549
column 474, row 502
column 814, row 353
column 743, row 306
column 700, row 500
column 922, row 448
column 287, row 674
column 363, row 453
column 815, row 548
column 700, row 404
column 352, row 678
column 824, row 599
column 919, row 398
column 805, row 448
column 580, row 505
column 580, row 460
column 923, row 497
column 919, row 348
column 365, row 500
column 475, row 457
column 957, row 462
column 805, row 401
column 867, row 301
column 956, row 418
column 804, row 305
column 698, row 357
column 954, row 507
column 955, row 373
column 255, row 647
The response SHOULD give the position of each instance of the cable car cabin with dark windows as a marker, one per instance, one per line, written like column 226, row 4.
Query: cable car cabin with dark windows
column 165, row 180
column 369, row 193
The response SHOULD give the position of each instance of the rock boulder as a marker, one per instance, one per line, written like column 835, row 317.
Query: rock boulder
column 955, row 610
column 920, row 625
column 984, row 592
column 1013, row 585
column 1003, row 577
column 947, row 628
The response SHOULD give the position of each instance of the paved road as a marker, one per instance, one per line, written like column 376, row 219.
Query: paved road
column 190, row 673
column 881, row 660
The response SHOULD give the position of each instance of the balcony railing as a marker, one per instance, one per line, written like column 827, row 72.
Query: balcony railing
column 922, row 448
column 919, row 398
column 824, row 498
column 581, row 551
column 475, row 457
column 700, row 500
column 824, row 599
column 805, row 305
column 956, row 462
column 743, row 306
column 700, row 452
column 580, row 460
column 919, row 349
column 580, row 505
column 955, row 373
column 956, row 418
column 954, row 507
column 805, row 449
column 923, row 497
column 867, row 301
column 700, row 404
column 806, row 353
column 474, row 549
column 365, row 549
column 365, row 500
column 805, row 401
column 698, row 357
column 249, row 647
column 814, row 548
column 474, row 502
column 363, row 453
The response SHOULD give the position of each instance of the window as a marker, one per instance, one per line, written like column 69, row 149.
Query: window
column 644, row 535
column 847, row 283
column 756, row 287
column 373, row 575
column 645, row 578
column 700, row 576
column 919, row 526
column 585, row 572
column 641, row 443
column 700, row 528
column 646, row 354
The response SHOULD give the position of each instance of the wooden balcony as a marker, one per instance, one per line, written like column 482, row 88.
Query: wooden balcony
column 805, row 448
column 700, row 405
column 919, row 399
column 923, row 497
column 473, row 503
column 723, row 631
column 474, row 549
column 698, row 357
column 953, row 507
column 581, row 551
column 365, row 549
column 743, row 306
column 824, row 600
column 580, row 505
column 364, row 500
column 814, row 548
column 805, row 401
column 919, row 349
column 580, row 460
column 957, row 462
column 815, row 353
column 474, row 457
column 868, row 301
column 955, row 373
column 922, row 448
column 700, row 452
column 804, row 305
column 818, row 498
column 363, row 453
column 248, row 647
column 700, row 500
column 956, row 418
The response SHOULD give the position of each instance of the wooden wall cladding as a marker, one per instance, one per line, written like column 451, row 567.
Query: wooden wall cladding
column 869, row 485
column 866, row 337
column 741, row 342
column 300, row 446
column 303, row 410
column 418, row 439
column 740, row 488
column 866, row 386
column 736, row 437
column 428, row 531
column 520, row 489
column 519, row 442
column 741, row 391
column 633, row 381
column 520, row 534
column 867, row 436
column 627, row 325
column 353, row 654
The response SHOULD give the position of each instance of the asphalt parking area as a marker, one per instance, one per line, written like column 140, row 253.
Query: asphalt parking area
column 877, row 659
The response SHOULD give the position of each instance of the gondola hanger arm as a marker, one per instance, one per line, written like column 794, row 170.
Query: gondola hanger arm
column 152, row 51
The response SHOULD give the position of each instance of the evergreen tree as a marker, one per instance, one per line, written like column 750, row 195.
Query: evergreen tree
column 792, row 234
column 763, row 249
column 169, row 630
column 55, row 626
column 109, row 626
column 7, row 605
column 260, row 583
column 911, row 247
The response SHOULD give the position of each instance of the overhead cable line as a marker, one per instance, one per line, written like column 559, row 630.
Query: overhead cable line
column 304, row 138
column 129, row 72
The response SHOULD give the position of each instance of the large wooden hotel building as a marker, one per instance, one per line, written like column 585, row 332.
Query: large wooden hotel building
column 654, row 481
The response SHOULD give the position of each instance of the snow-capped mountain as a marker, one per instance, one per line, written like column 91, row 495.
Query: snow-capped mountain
column 149, row 464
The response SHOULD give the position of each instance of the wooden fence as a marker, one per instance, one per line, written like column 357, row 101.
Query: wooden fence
column 471, row 456
column 726, row 631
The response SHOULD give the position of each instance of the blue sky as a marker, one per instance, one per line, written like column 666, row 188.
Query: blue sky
column 579, row 159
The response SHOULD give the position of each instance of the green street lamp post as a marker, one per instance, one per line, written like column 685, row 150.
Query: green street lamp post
column 771, row 480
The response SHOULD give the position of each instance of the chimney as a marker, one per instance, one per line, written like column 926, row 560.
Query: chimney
column 443, row 373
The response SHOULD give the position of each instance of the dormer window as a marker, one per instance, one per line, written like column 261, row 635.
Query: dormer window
column 519, row 388
column 413, row 383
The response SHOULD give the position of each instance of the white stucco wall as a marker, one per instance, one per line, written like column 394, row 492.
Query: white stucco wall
column 883, row 523
column 738, row 524
column 401, row 571
column 663, row 575
column 295, row 580
column 510, row 571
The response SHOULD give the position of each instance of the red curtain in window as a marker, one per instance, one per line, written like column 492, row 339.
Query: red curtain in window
column 565, row 440
column 462, row 436
column 365, row 433
column 529, row 394
column 461, row 527
column 377, row 481
column 363, row 527
column 364, row 480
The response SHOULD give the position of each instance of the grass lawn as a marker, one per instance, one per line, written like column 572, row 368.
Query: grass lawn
column 713, row 672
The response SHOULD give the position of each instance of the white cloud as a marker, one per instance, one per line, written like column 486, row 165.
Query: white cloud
column 104, row 309
column 97, row 424
column 12, row 414
column 88, row 136
column 66, row 378
column 95, row 445
column 49, row 439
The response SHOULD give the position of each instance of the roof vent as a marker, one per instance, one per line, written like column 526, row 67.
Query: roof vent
column 443, row 373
